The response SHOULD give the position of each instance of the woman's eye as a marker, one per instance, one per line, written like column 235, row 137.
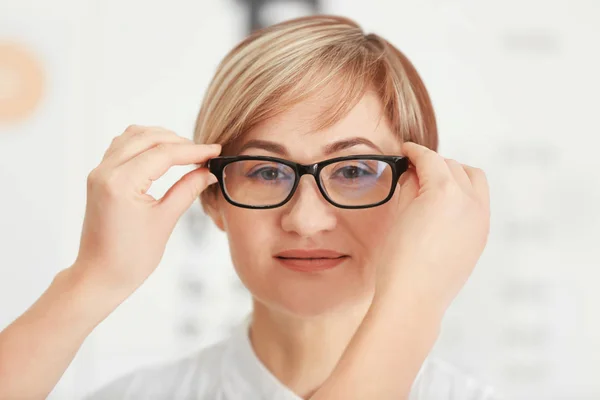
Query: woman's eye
column 267, row 174
column 351, row 172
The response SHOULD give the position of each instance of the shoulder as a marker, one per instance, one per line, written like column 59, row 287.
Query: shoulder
column 439, row 379
column 192, row 377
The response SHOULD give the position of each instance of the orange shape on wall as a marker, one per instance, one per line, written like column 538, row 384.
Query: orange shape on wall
column 21, row 82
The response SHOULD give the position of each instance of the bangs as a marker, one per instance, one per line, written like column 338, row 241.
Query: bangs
column 338, row 84
column 323, row 57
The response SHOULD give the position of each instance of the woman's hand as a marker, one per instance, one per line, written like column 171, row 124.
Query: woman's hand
column 441, row 230
column 125, row 230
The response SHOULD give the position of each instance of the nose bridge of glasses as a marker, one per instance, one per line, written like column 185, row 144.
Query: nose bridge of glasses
column 308, row 196
column 307, row 169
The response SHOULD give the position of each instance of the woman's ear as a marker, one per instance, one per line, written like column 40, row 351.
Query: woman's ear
column 211, row 206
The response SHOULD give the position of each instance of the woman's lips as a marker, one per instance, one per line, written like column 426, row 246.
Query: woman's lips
column 310, row 260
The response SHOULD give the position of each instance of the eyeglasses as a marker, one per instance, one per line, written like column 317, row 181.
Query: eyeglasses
column 261, row 182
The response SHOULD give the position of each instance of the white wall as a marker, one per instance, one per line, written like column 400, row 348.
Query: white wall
column 515, row 88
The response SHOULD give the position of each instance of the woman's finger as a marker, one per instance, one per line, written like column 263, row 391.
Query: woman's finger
column 136, row 143
column 459, row 174
column 153, row 163
column 184, row 192
column 118, row 140
column 408, row 187
column 479, row 183
column 430, row 166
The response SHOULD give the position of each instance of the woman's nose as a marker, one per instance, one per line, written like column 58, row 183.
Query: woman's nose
column 308, row 213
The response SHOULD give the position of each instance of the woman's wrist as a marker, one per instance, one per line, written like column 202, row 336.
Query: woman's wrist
column 388, row 349
column 86, row 300
column 399, row 285
column 408, row 313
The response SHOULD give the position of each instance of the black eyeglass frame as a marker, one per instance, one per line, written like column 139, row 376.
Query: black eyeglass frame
column 399, row 165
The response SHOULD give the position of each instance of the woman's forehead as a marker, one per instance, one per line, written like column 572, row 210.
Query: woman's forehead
column 294, row 129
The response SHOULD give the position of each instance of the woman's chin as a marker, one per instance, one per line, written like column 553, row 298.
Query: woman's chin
column 310, row 295
column 306, row 310
column 312, row 306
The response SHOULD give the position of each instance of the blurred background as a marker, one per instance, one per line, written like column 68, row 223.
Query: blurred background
column 515, row 87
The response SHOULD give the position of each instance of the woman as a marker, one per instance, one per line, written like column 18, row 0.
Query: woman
column 351, row 269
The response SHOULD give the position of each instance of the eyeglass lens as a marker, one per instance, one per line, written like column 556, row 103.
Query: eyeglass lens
column 347, row 183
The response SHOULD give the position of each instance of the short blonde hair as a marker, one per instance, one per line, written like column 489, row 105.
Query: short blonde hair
column 279, row 66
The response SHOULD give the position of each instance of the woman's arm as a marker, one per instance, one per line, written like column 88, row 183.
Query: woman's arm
column 37, row 348
column 124, row 235
column 440, row 233
column 387, row 351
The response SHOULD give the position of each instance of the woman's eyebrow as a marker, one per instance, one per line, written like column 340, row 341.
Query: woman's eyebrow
column 347, row 143
column 264, row 145
column 327, row 150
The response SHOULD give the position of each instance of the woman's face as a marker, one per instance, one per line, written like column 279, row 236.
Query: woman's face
column 308, row 222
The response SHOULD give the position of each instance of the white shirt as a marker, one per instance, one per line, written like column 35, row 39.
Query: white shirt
column 230, row 370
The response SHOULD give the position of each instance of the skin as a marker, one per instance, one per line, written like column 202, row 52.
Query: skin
column 302, row 322
column 361, row 330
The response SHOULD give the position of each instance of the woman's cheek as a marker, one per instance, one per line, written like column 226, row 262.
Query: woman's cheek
column 375, row 225
column 250, row 236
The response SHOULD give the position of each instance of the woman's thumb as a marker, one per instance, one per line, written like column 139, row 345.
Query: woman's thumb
column 185, row 191
column 430, row 167
column 409, row 188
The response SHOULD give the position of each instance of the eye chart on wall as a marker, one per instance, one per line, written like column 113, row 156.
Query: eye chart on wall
column 514, row 85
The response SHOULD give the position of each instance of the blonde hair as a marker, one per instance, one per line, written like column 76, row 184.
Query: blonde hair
column 279, row 66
